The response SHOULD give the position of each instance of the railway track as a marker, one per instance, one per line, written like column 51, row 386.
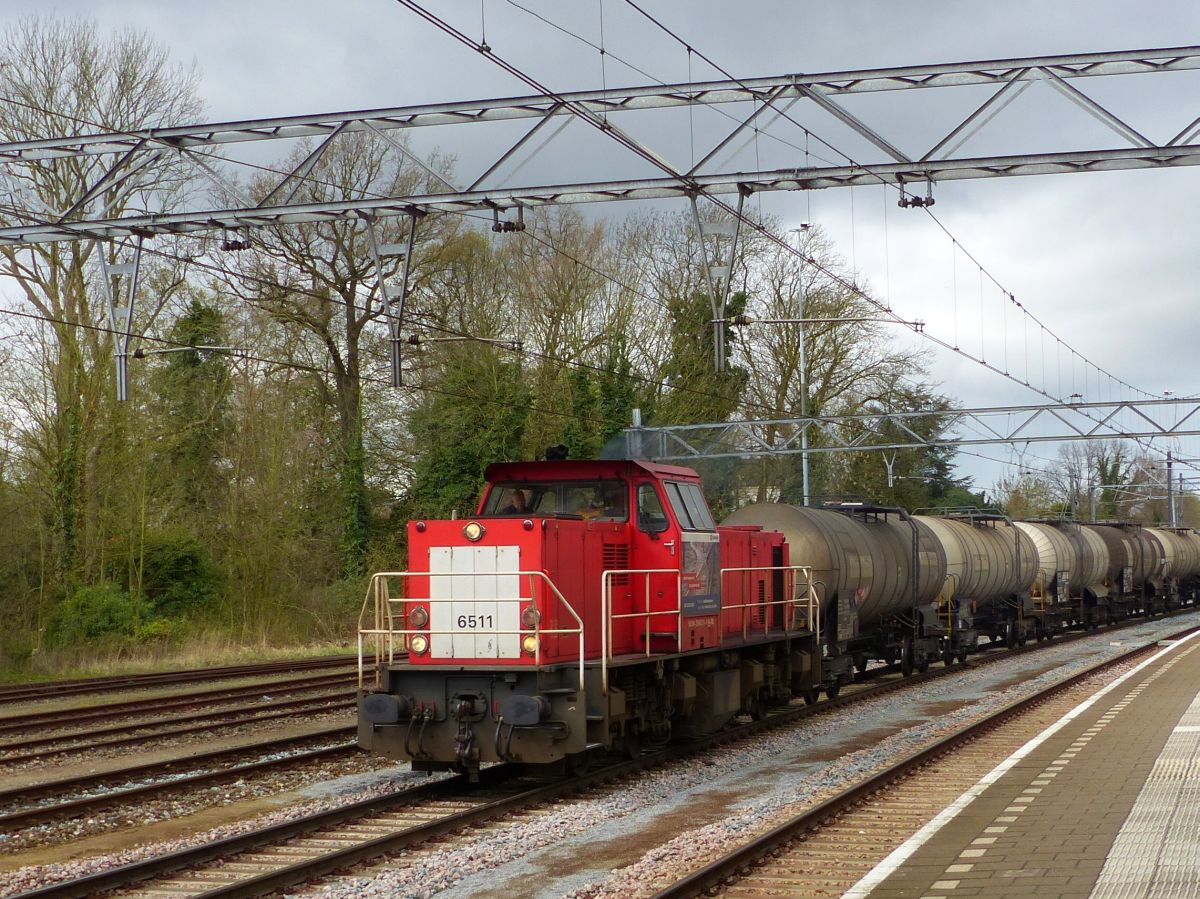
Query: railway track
column 826, row 849
column 19, row 723
column 44, row 747
column 36, row 804
column 63, row 688
column 280, row 856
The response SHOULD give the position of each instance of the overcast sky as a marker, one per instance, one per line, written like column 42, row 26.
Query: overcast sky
column 1109, row 261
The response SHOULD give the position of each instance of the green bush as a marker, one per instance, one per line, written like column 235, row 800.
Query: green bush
column 161, row 631
column 101, row 611
column 16, row 648
column 179, row 576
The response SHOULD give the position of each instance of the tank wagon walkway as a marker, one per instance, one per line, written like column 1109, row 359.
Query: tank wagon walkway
column 1104, row 803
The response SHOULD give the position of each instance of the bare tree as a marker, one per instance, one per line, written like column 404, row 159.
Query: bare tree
column 321, row 278
column 60, row 77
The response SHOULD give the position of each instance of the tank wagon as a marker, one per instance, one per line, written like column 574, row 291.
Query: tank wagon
column 596, row 605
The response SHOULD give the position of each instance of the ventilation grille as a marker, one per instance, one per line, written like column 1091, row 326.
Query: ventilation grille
column 616, row 558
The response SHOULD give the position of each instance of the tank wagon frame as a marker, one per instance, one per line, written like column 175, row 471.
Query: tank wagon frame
column 597, row 605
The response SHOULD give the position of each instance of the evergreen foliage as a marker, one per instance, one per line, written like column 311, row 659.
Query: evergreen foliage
column 96, row 612
column 476, row 417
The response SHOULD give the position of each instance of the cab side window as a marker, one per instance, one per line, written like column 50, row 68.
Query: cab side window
column 690, row 507
column 651, row 517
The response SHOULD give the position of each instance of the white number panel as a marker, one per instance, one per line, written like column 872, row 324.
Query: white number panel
column 483, row 599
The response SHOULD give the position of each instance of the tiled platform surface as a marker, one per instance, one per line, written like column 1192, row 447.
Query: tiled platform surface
column 1107, row 806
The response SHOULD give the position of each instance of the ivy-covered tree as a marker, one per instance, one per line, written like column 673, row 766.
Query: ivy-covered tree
column 191, row 390
column 475, row 416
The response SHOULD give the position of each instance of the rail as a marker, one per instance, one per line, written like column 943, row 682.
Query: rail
column 791, row 603
column 383, row 617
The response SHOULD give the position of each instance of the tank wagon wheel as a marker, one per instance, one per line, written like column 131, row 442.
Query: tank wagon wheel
column 906, row 658
column 1010, row 635
column 948, row 654
column 832, row 690
column 758, row 709
column 810, row 695
column 962, row 656
column 861, row 662
column 923, row 665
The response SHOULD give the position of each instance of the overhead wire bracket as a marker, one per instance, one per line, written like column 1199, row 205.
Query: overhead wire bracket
column 393, row 310
column 718, row 269
column 120, row 288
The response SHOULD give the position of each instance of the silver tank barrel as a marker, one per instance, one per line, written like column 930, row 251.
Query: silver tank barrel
column 868, row 561
column 1091, row 556
column 983, row 553
column 1055, row 554
column 1129, row 547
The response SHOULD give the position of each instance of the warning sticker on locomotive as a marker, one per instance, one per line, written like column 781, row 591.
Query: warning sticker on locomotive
column 701, row 574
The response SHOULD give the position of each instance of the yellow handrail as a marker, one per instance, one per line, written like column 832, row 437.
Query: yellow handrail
column 812, row 608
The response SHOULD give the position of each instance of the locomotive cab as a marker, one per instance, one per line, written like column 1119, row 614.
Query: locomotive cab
column 584, row 605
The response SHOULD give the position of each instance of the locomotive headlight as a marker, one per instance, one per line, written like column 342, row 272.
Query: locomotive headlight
column 530, row 617
column 474, row 531
column 418, row 616
column 529, row 643
column 419, row 644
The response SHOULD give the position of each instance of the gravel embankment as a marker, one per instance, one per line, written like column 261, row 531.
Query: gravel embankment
column 613, row 841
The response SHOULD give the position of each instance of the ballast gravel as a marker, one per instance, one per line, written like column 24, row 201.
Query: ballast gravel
column 335, row 789
column 625, row 839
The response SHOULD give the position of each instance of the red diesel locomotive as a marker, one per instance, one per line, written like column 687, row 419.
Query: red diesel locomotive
column 585, row 605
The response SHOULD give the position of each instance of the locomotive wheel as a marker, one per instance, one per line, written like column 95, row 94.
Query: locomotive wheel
column 948, row 655
column 810, row 695
column 832, row 690
column 962, row 656
column 906, row 658
column 860, row 662
column 923, row 665
column 631, row 745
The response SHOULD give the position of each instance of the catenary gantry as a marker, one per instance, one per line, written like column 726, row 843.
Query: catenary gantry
column 885, row 430
column 771, row 98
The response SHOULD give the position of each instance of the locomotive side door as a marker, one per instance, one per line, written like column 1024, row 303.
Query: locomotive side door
column 700, row 564
column 657, row 546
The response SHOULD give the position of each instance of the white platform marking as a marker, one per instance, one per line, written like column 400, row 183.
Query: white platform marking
column 1156, row 850
column 905, row 850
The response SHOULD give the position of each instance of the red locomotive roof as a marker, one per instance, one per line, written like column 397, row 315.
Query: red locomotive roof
column 581, row 468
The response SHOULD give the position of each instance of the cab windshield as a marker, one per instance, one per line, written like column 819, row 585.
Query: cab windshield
column 603, row 500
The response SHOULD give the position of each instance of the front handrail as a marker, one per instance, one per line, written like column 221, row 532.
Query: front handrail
column 380, row 604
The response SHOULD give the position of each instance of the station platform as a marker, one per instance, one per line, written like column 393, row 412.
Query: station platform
column 1104, row 803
